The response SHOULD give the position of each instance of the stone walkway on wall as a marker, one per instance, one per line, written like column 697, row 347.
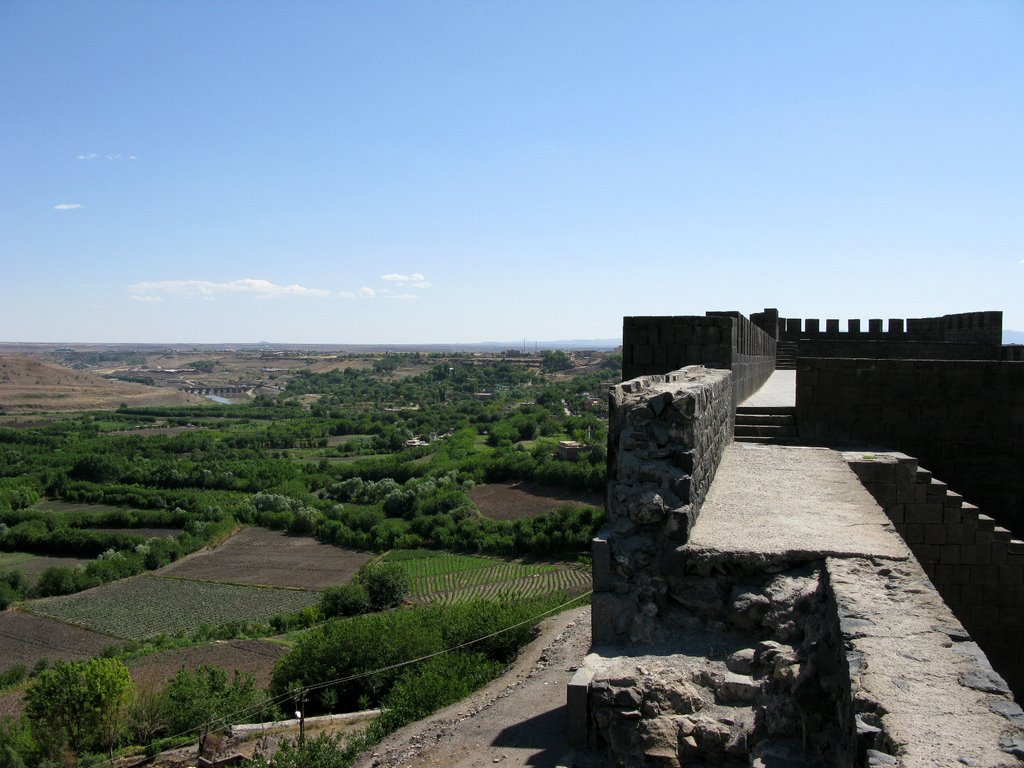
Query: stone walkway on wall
column 778, row 392
column 934, row 695
column 791, row 504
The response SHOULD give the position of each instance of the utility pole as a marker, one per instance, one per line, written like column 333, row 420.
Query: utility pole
column 300, row 713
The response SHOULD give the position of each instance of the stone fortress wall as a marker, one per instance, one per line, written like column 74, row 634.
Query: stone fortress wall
column 962, row 419
column 666, row 438
column 958, row 378
column 965, row 327
column 780, row 656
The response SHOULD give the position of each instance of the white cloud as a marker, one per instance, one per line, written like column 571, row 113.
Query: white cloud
column 147, row 298
column 67, row 206
column 260, row 289
column 113, row 156
column 368, row 293
column 415, row 280
column 394, row 277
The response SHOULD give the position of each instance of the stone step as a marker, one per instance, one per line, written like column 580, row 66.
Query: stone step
column 766, row 430
column 785, row 356
column 765, row 410
column 766, row 419
column 766, row 424
column 766, row 440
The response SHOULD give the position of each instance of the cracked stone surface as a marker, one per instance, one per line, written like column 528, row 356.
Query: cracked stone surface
column 933, row 694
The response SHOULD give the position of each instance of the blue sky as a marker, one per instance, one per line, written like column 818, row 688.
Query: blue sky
column 414, row 172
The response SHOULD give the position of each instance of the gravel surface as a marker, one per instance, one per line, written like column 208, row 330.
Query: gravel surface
column 518, row 721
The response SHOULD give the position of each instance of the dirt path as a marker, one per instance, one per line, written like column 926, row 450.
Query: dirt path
column 518, row 721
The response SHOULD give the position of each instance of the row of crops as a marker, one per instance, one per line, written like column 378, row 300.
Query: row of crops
column 144, row 606
column 449, row 578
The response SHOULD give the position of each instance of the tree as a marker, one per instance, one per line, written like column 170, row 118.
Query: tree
column 555, row 360
column 79, row 706
column 387, row 584
column 345, row 600
column 200, row 699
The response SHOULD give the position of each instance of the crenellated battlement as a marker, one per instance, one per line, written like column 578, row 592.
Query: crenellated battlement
column 964, row 327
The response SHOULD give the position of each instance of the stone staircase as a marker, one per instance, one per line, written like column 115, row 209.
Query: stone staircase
column 776, row 424
column 785, row 356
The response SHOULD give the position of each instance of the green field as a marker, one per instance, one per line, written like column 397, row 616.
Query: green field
column 55, row 505
column 449, row 578
column 33, row 565
column 144, row 606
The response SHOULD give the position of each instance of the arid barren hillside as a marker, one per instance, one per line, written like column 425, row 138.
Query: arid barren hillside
column 28, row 385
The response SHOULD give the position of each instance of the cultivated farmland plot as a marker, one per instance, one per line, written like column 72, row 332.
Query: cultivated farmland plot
column 33, row 565
column 145, row 606
column 25, row 639
column 253, row 657
column 449, row 578
column 521, row 500
column 56, row 505
column 270, row 558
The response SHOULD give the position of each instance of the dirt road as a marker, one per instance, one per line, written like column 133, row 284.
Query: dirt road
column 518, row 721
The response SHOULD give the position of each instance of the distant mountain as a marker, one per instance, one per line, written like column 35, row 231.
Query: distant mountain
column 529, row 346
column 1013, row 337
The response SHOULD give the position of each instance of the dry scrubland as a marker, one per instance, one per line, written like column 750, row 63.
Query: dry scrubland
column 28, row 385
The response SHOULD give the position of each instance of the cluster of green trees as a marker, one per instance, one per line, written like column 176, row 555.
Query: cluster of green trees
column 408, row 662
column 377, row 587
column 239, row 468
column 78, row 708
column 356, row 662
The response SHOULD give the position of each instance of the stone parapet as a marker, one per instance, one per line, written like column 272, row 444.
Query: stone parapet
column 790, row 626
column 976, row 565
column 666, row 437
column 657, row 345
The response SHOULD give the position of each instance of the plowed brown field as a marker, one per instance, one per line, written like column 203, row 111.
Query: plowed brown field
column 271, row 558
column 254, row 657
column 515, row 501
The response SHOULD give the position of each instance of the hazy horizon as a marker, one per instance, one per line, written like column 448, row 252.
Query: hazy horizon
column 542, row 344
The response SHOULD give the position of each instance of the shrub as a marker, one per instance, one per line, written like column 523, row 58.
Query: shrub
column 434, row 684
column 346, row 600
column 13, row 675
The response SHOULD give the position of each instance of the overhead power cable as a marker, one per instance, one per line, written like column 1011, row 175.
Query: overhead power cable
column 232, row 716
